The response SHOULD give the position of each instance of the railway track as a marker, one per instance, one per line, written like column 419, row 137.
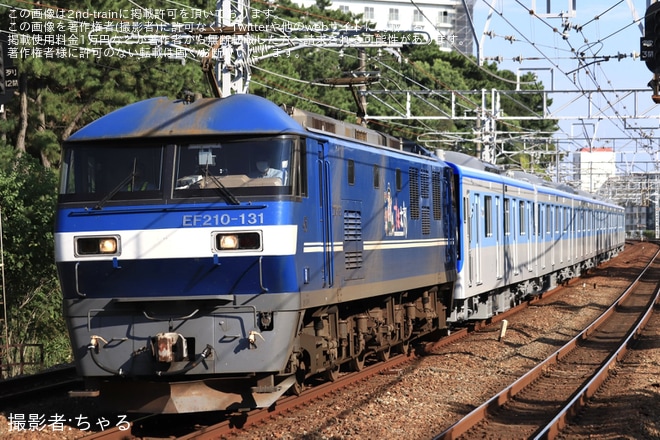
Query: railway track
column 24, row 388
column 202, row 426
column 237, row 422
column 148, row 426
column 539, row 404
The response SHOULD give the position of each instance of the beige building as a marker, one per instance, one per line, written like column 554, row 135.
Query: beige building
column 446, row 21
column 593, row 167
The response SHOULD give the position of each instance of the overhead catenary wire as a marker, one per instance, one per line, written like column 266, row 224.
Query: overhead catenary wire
column 582, row 66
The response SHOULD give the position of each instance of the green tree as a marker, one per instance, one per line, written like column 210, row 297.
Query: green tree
column 56, row 97
column 59, row 95
column 34, row 300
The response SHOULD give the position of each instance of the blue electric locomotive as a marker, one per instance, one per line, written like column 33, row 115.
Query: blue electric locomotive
column 215, row 254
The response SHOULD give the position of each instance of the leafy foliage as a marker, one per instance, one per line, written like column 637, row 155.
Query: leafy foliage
column 34, row 300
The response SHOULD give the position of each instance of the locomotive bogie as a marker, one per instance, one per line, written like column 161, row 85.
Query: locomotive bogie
column 348, row 334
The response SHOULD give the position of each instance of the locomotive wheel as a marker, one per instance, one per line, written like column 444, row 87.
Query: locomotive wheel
column 332, row 373
column 299, row 385
column 357, row 363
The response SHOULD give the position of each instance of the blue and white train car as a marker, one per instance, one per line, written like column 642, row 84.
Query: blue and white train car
column 520, row 235
column 213, row 254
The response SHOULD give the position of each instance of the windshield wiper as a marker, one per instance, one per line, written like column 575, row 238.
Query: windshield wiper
column 115, row 190
column 224, row 192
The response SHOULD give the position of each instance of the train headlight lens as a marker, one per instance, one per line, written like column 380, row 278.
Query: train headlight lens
column 228, row 242
column 97, row 246
column 108, row 245
column 238, row 241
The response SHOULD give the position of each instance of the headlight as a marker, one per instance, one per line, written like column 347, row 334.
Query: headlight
column 228, row 241
column 238, row 241
column 108, row 245
column 97, row 246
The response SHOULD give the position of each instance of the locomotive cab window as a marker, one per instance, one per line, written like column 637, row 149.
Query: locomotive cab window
column 105, row 172
column 237, row 168
column 108, row 172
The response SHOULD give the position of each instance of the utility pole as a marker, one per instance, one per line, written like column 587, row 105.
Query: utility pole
column 362, row 107
column 233, row 17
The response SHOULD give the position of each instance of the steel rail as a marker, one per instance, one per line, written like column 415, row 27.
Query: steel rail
column 21, row 388
column 501, row 398
column 560, row 421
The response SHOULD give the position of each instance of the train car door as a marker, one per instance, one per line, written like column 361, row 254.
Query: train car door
column 449, row 220
column 542, row 233
column 325, row 213
column 529, row 221
column 552, row 237
column 474, row 244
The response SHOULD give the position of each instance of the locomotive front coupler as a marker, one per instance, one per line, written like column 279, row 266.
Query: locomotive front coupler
column 201, row 357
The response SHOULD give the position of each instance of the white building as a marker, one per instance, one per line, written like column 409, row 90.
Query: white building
column 593, row 167
column 446, row 21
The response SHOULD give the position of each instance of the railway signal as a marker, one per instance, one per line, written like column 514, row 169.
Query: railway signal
column 649, row 47
column 650, row 42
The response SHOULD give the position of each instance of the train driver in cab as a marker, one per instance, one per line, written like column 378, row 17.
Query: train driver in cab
column 264, row 170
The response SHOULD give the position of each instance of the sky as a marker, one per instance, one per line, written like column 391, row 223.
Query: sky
column 550, row 46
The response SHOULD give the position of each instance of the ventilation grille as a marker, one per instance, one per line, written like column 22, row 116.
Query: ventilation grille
column 319, row 124
column 437, row 195
column 361, row 135
column 413, row 176
column 352, row 234
column 424, row 177
column 426, row 220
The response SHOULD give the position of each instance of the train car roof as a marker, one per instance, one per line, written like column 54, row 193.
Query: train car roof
column 470, row 166
column 163, row 117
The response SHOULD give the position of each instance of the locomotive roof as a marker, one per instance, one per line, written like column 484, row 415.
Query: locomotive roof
column 162, row 117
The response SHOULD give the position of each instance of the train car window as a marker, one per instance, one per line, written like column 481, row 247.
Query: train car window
column 376, row 175
column 488, row 216
column 581, row 220
column 399, row 180
column 507, row 216
column 548, row 219
column 467, row 217
column 521, row 218
column 105, row 172
column 238, row 168
column 350, row 175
